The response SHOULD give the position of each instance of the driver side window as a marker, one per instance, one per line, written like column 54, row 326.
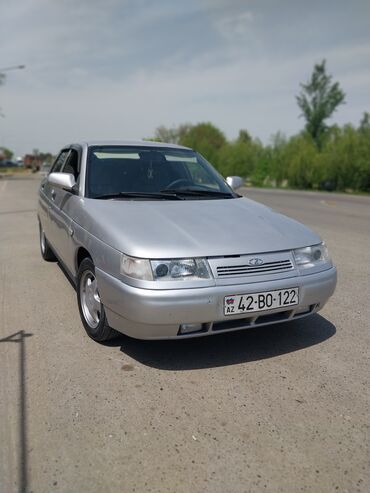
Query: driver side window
column 71, row 165
column 59, row 162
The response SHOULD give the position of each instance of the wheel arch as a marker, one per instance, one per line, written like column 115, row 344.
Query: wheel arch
column 81, row 254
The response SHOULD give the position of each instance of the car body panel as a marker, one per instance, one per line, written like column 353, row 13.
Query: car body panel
column 154, row 314
column 191, row 228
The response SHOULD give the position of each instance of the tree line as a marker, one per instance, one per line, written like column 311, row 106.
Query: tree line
column 319, row 157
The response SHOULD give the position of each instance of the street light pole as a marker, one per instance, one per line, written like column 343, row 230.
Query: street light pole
column 13, row 67
column 6, row 69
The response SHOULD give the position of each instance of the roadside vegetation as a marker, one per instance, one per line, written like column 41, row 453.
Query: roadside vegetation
column 319, row 157
column 13, row 169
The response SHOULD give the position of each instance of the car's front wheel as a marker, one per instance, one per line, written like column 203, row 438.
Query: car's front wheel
column 89, row 303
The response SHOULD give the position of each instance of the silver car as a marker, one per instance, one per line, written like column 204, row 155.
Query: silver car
column 160, row 246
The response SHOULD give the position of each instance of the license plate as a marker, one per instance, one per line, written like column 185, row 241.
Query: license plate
column 258, row 302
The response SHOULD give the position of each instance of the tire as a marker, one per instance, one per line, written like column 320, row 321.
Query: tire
column 46, row 252
column 91, row 308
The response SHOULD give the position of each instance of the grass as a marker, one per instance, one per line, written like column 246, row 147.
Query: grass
column 345, row 192
column 15, row 169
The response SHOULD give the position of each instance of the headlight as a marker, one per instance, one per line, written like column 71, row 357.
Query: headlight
column 312, row 255
column 180, row 269
column 165, row 270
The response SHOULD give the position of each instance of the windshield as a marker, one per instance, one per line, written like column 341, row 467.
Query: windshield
column 127, row 172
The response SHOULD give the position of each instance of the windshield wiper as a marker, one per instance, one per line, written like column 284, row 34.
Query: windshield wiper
column 190, row 192
column 140, row 195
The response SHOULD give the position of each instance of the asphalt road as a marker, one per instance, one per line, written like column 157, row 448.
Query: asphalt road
column 283, row 408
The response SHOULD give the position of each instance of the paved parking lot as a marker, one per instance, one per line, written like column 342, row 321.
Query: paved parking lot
column 283, row 408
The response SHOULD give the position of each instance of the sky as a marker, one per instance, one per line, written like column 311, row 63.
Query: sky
column 117, row 69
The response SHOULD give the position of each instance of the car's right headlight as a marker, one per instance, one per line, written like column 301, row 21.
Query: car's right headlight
column 137, row 268
column 165, row 270
column 312, row 256
column 180, row 269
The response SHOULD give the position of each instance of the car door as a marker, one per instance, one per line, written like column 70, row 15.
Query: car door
column 47, row 198
column 64, row 203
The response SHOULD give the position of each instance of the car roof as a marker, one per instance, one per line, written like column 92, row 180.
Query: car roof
column 135, row 143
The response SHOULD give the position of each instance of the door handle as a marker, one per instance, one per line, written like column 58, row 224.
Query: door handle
column 53, row 195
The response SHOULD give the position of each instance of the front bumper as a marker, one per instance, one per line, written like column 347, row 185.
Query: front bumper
column 157, row 314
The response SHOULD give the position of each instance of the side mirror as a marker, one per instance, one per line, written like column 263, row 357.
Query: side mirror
column 235, row 182
column 66, row 181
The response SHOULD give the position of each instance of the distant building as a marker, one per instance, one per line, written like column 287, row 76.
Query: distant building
column 32, row 162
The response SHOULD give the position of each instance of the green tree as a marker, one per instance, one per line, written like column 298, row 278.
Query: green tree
column 346, row 159
column 7, row 153
column 318, row 100
column 277, row 167
column 365, row 122
column 204, row 138
column 302, row 161
column 341, row 161
column 171, row 135
column 164, row 134
column 238, row 158
column 262, row 173
column 244, row 136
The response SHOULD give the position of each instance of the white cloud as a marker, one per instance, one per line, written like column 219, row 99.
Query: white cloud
column 234, row 25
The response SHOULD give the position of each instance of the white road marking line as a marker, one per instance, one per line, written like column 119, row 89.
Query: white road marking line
column 328, row 202
column 3, row 183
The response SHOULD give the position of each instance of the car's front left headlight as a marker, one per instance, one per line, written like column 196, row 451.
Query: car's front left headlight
column 165, row 270
column 312, row 256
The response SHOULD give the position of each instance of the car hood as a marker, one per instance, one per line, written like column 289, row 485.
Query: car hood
column 191, row 228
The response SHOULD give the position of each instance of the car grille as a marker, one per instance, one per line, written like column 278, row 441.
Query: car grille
column 245, row 269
